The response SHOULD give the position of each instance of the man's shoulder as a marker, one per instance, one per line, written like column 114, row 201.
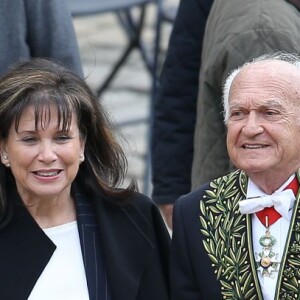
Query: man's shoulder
column 229, row 181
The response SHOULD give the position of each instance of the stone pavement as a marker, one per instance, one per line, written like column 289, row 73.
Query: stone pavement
column 100, row 40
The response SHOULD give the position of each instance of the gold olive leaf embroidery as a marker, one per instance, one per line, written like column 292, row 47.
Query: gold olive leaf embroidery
column 290, row 287
column 291, row 273
column 225, row 240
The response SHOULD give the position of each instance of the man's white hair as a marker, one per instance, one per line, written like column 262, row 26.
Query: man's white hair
column 293, row 59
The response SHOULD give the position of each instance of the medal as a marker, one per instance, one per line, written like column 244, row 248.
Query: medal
column 266, row 260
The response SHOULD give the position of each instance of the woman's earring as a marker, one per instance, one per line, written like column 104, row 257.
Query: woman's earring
column 81, row 157
column 5, row 157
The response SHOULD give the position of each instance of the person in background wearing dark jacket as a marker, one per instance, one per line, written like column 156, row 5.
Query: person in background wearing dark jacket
column 238, row 236
column 67, row 228
column 175, row 106
column 37, row 28
column 235, row 32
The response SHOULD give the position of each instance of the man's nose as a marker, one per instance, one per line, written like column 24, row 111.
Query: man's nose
column 252, row 125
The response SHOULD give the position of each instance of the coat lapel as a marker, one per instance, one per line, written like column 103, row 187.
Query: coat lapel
column 92, row 252
column 228, row 239
column 289, row 272
column 24, row 252
column 228, row 242
column 125, row 245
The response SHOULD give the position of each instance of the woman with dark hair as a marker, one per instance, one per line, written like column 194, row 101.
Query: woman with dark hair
column 68, row 231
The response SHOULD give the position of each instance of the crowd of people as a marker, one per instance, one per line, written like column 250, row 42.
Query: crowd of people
column 225, row 162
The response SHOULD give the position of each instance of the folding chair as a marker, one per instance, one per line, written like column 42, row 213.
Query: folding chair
column 132, row 26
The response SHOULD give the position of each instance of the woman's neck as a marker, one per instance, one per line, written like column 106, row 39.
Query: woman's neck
column 52, row 212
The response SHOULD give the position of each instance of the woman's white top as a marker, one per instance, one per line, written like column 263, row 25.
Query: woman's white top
column 279, row 230
column 64, row 276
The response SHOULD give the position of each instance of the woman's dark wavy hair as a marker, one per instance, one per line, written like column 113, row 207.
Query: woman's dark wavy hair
column 41, row 83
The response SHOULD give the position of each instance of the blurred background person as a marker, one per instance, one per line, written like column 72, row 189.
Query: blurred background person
column 67, row 230
column 237, row 236
column 175, row 106
column 37, row 28
column 235, row 32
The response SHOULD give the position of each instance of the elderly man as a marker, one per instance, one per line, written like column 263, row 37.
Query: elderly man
column 238, row 237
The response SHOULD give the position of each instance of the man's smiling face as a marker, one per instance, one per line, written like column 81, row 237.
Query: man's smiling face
column 263, row 126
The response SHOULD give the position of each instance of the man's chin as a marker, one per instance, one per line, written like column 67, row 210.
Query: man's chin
column 253, row 167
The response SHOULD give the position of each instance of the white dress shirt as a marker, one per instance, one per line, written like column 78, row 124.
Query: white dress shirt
column 279, row 230
column 64, row 276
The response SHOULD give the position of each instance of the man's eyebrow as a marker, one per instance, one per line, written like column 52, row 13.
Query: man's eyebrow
column 273, row 103
column 265, row 104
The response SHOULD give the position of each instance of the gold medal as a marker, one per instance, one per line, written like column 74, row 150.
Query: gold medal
column 266, row 260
